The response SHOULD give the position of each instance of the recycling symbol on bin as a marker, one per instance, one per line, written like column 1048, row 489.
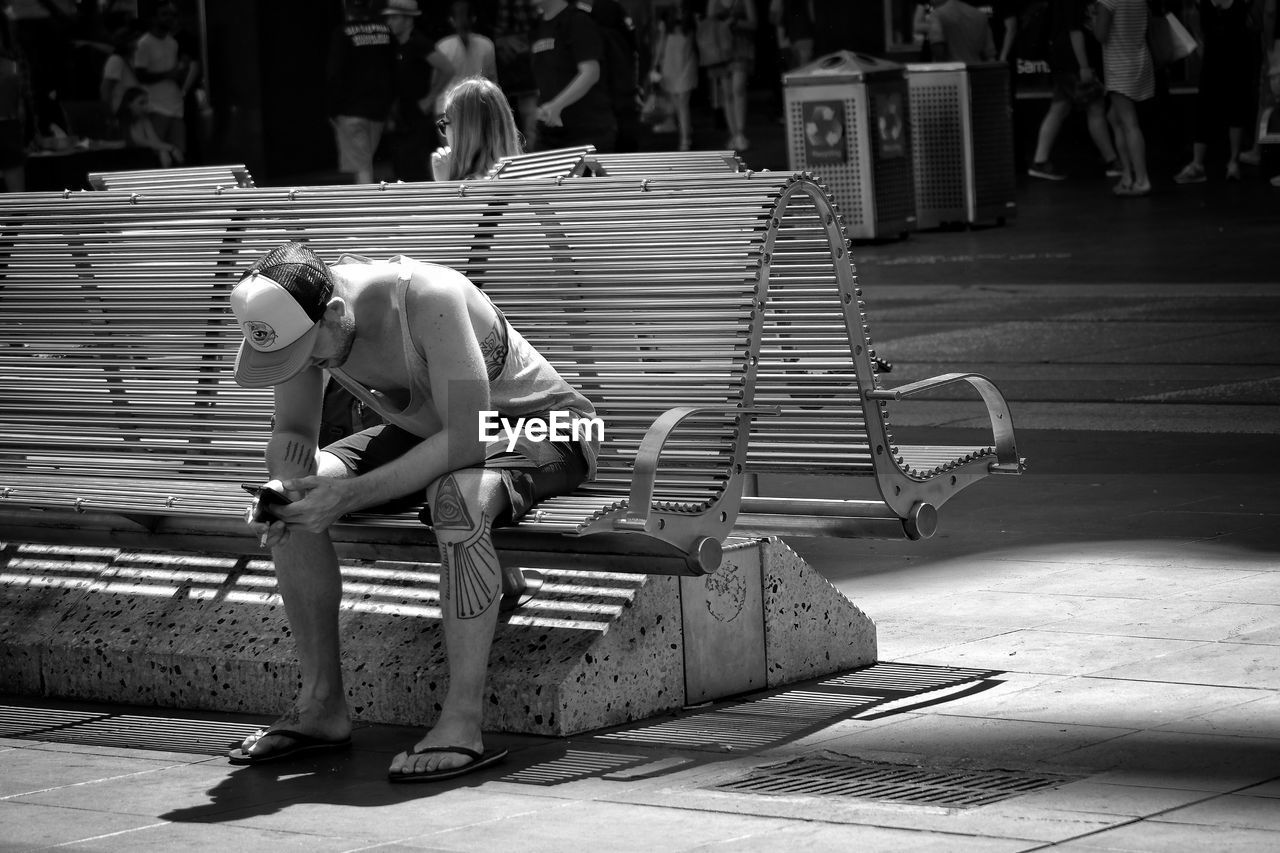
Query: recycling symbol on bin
column 825, row 127
column 890, row 119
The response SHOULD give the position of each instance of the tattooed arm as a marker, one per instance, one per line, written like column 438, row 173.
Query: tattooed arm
column 291, row 451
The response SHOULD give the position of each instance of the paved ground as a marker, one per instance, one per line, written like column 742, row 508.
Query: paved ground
column 1104, row 630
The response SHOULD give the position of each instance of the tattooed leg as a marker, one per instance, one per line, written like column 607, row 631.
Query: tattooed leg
column 449, row 512
column 463, row 505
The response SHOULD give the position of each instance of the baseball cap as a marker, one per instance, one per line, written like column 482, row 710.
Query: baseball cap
column 279, row 304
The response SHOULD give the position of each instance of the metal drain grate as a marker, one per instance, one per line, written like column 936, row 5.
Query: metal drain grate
column 896, row 783
column 167, row 734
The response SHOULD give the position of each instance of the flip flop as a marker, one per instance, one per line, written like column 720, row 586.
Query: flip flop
column 479, row 761
column 301, row 744
column 513, row 601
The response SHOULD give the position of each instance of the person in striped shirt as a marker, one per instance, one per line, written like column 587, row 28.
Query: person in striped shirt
column 1121, row 27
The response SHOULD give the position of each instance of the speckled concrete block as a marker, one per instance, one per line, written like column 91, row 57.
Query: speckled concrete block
column 593, row 649
column 811, row 628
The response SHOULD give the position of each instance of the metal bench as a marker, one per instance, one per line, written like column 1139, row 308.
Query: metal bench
column 585, row 161
column 185, row 178
column 118, row 416
column 677, row 291
column 683, row 305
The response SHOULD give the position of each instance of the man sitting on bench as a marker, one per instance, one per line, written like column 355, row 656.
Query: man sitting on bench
column 428, row 350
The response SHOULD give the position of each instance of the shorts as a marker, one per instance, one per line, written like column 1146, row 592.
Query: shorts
column 1069, row 87
column 531, row 471
column 357, row 139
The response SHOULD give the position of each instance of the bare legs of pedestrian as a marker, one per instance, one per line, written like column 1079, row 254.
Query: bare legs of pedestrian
column 684, row 119
column 732, row 90
column 1131, row 146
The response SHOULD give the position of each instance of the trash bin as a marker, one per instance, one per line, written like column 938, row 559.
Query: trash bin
column 847, row 122
column 962, row 143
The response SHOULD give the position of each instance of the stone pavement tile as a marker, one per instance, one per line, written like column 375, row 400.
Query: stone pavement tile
column 1229, row 810
column 821, row 838
column 1118, row 580
column 169, row 837
column 989, row 743
column 380, row 812
column 998, row 691
column 124, row 752
column 1156, row 837
column 900, row 638
column 1101, row 798
column 1225, row 664
column 1107, row 702
column 1258, row 588
column 1175, row 619
column 993, row 609
column 28, row 771
column 1269, row 636
column 24, row 826
column 192, row 791
column 1225, row 552
column 1162, row 759
column 1267, row 789
column 1258, row 718
column 941, row 577
column 1054, row 652
column 616, row 827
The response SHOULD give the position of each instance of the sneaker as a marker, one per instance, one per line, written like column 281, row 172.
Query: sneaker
column 1252, row 157
column 1113, row 169
column 1192, row 173
column 1275, row 182
column 1044, row 169
column 1233, row 171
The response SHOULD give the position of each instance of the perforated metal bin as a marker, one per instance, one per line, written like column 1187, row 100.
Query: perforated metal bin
column 848, row 123
column 962, row 143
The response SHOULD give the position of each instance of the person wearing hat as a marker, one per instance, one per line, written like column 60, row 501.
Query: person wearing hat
column 427, row 349
column 421, row 74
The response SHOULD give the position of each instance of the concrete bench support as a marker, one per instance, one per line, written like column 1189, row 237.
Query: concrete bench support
column 207, row 631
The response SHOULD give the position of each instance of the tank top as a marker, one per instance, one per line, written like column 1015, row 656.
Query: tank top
column 526, row 386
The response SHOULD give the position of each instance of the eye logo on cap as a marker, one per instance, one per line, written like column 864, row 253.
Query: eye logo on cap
column 260, row 334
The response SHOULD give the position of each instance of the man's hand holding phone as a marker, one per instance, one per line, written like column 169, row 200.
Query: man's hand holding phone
column 261, row 515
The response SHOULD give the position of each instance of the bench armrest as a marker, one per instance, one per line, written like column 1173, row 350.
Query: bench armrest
column 1007, row 461
column 645, row 473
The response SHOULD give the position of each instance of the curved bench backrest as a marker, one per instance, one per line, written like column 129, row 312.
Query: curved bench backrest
column 180, row 179
column 646, row 295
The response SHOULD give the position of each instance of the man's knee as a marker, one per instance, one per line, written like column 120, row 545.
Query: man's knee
column 462, row 501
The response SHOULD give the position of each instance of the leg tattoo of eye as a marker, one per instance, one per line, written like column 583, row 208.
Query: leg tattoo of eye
column 477, row 577
column 449, row 510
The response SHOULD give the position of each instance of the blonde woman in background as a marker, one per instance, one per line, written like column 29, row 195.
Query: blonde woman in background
column 478, row 128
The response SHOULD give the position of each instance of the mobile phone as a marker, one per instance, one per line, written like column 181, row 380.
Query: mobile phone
column 264, row 500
